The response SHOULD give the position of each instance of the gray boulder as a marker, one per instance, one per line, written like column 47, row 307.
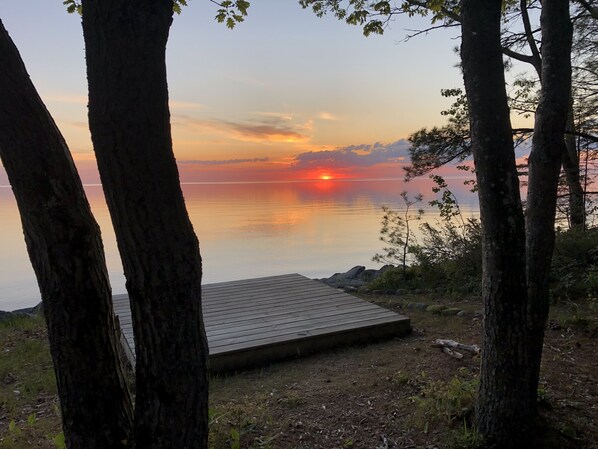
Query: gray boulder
column 354, row 272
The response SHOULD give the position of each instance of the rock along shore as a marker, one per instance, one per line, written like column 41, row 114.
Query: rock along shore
column 29, row 311
column 354, row 279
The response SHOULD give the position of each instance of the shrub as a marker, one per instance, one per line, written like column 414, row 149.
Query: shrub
column 396, row 278
column 574, row 272
column 451, row 254
column 396, row 232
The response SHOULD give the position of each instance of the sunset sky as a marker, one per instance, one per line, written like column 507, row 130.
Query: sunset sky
column 284, row 96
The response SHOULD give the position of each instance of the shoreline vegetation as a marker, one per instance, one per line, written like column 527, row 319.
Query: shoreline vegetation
column 399, row 393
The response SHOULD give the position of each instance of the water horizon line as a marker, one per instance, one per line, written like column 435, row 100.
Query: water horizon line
column 291, row 181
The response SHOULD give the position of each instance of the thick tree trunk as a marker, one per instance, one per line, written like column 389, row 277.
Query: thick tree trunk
column 130, row 127
column 548, row 146
column 504, row 408
column 66, row 252
column 577, row 215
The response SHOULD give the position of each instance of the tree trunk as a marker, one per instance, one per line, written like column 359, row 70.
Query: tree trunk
column 548, row 146
column 503, row 412
column 130, row 126
column 577, row 214
column 66, row 252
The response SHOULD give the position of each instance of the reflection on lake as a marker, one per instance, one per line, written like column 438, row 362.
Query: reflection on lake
column 245, row 230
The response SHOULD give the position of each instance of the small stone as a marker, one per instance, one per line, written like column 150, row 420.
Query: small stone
column 435, row 309
column 450, row 311
column 417, row 306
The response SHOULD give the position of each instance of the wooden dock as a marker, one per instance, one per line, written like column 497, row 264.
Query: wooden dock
column 257, row 321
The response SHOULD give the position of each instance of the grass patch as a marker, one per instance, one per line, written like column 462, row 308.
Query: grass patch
column 243, row 425
column 28, row 404
column 451, row 401
column 25, row 363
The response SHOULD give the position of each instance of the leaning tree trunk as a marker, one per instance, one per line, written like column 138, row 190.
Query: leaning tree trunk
column 577, row 214
column 130, row 126
column 548, row 146
column 504, row 410
column 66, row 252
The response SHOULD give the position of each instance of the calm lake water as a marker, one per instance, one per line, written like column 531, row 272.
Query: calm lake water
column 245, row 230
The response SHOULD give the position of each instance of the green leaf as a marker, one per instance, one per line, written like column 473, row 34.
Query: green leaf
column 375, row 26
column 382, row 7
column 177, row 5
column 242, row 6
column 59, row 441
column 221, row 16
column 73, row 7
column 235, row 439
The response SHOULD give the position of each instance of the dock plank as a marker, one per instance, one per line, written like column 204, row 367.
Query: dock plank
column 256, row 321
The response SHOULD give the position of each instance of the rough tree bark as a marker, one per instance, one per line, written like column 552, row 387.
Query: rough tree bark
column 503, row 411
column 548, row 146
column 130, row 126
column 516, row 263
column 65, row 248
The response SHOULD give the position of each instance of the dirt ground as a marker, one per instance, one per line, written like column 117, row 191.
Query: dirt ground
column 401, row 393
column 404, row 393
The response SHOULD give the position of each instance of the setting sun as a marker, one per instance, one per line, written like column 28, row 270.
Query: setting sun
column 325, row 177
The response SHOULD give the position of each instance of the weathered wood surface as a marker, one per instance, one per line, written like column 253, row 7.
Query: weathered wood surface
column 256, row 321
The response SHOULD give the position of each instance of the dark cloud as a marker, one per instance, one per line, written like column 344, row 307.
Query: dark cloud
column 273, row 129
column 224, row 161
column 364, row 155
column 262, row 130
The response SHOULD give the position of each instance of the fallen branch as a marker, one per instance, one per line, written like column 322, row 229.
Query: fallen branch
column 452, row 353
column 452, row 344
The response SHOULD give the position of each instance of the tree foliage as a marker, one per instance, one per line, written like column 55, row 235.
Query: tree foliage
column 435, row 147
column 375, row 16
column 229, row 12
column 432, row 148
